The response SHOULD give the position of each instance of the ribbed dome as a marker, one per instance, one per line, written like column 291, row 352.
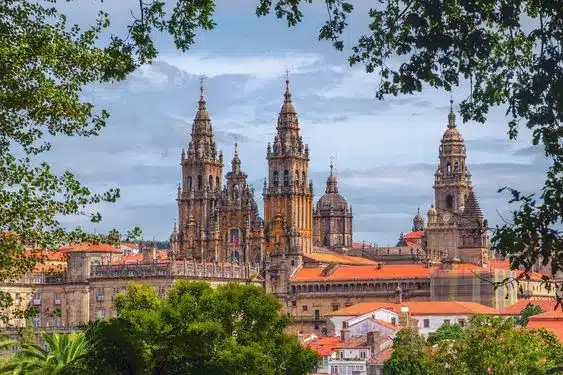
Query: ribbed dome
column 451, row 133
column 331, row 199
column 287, row 107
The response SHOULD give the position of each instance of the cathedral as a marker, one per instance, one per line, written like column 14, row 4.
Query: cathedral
column 219, row 220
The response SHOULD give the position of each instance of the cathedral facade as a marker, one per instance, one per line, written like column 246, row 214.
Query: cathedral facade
column 216, row 223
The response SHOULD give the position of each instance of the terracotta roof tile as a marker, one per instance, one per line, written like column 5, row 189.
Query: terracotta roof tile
column 389, row 325
column 49, row 255
column 545, row 304
column 131, row 245
column 418, row 308
column 339, row 259
column 90, row 248
column 346, row 272
column 353, row 342
column 324, row 346
column 161, row 256
column 551, row 321
column 414, row 235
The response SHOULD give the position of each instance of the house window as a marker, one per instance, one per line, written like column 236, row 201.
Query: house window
column 426, row 323
column 294, row 303
column 100, row 294
column 462, row 322
column 304, row 307
column 394, row 321
column 37, row 299
column 57, row 298
column 363, row 354
column 335, row 307
column 334, row 370
column 446, row 321
column 317, row 314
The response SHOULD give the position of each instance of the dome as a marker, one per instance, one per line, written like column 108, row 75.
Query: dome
column 452, row 135
column 332, row 201
column 287, row 106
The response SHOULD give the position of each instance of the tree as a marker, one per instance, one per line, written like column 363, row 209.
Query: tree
column 445, row 332
column 234, row 329
column 62, row 356
column 492, row 345
column 527, row 312
column 509, row 53
column 409, row 354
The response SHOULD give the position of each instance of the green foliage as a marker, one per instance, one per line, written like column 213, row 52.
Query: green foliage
column 409, row 354
column 527, row 312
column 234, row 329
column 62, row 356
column 445, row 332
column 510, row 54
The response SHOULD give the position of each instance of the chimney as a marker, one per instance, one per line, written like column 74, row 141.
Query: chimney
column 404, row 316
column 345, row 332
column 372, row 338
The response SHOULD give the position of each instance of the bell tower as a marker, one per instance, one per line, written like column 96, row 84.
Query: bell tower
column 201, row 185
column 288, row 195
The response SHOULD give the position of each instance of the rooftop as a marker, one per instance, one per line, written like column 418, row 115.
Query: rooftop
column 349, row 272
column 90, row 248
column 545, row 304
column 338, row 259
column 551, row 321
column 418, row 308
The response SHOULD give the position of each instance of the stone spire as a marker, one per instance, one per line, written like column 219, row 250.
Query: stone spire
column 235, row 163
column 472, row 212
column 451, row 115
column 331, row 183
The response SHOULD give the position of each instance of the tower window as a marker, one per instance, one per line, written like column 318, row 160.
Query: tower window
column 217, row 183
column 189, row 182
column 456, row 167
column 449, row 201
column 303, row 177
column 286, row 178
column 448, row 169
column 276, row 178
column 210, row 182
column 297, row 177
column 199, row 182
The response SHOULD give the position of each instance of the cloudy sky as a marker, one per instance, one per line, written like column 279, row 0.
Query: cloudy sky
column 385, row 151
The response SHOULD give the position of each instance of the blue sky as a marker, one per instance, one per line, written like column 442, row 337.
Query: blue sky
column 386, row 152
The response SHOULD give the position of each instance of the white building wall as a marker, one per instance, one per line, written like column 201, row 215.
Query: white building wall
column 436, row 321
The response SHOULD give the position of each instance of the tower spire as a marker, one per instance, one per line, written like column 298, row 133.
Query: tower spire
column 451, row 115
column 331, row 164
column 201, row 96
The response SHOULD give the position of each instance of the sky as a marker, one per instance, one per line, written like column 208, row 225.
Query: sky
column 385, row 152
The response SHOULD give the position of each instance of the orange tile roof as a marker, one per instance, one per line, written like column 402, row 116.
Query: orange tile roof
column 131, row 245
column 353, row 342
column 418, row 308
column 49, row 255
column 90, row 248
column 339, row 259
column 389, row 325
column 324, row 346
column 515, row 309
column 414, row 235
column 346, row 272
column 551, row 321
column 49, row 267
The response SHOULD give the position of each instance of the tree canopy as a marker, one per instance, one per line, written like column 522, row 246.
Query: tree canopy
column 527, row 312
column 488, row 345
column 234, row 329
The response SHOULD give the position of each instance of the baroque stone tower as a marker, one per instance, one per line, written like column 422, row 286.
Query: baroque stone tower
column 332, row 219
column 288, row 195
column 456, row 227
column 201, row 184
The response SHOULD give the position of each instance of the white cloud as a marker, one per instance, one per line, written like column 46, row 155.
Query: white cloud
column 261, row 67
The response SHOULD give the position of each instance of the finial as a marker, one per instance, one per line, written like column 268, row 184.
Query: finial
column 201, row 98
column 201, row 86
column 286, row 78
column 418, row 210
column 331, row 164
column 451, row 115
column 175, row 227
column 236, row 148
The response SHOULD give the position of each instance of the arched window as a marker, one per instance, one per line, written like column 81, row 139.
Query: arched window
column 303, row 178
column 450, row 201
column 189, row 182
column 456, row 167
column 217, row 183
column 286, row 178
column 199, row 182
column 235, row 192
column 276, row 178
column 296, row 177
column 210, row 182
column 448, row 169
column 234, row 236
